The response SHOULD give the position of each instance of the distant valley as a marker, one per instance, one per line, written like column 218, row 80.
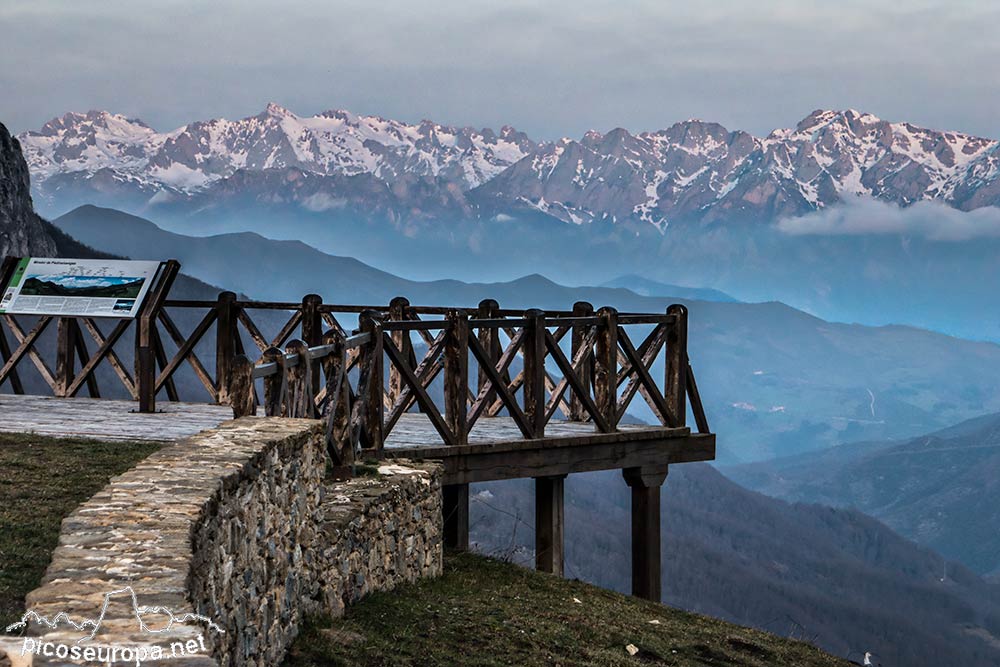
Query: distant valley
column 941, row 490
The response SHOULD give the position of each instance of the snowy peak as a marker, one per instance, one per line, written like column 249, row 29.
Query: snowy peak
column 697, row 170
column 693, row 170
column 333, row 142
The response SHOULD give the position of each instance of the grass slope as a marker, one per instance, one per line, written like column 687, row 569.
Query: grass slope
column 41, row 481
column 485, row 613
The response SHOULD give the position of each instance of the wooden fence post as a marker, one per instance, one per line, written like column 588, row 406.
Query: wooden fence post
column 7, row 268
column 676, row 365
column 145, row 338
column 225, row 344
column 274, row 384
column 606, row 366
column 241, row 388
column 312, row 334
column 489, row 340
column 337, row 412
column 577, row 413
column 301, row 394
column 398, row 309
column 456, row 375
column 534, row 371
column 369, row 408
column 67, row 332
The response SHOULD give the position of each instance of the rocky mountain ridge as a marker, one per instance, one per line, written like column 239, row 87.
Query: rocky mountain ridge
column 337, row 161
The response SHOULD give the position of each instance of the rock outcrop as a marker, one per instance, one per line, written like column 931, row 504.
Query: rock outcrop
column 22, row 232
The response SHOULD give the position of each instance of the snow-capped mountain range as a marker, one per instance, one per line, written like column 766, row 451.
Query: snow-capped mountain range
column 339, row 161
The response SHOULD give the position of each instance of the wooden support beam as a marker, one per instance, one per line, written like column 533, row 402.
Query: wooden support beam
column 645, row 483
column 455, row 503
column 549, row 524
column 480, row 463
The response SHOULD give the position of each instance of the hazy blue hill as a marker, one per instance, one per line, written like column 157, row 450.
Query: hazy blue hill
column 647, row 287
column 775, row 380
column 941, row 490
column 831, row 576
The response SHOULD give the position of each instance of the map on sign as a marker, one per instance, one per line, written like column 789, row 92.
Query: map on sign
column 83, row 287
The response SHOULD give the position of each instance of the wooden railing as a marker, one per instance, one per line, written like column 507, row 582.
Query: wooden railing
column 531, row 366
column 362, row 384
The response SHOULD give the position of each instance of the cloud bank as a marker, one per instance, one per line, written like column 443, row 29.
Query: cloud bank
column 929, row 220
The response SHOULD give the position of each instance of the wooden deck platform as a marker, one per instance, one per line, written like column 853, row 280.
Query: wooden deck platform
column 497, row 450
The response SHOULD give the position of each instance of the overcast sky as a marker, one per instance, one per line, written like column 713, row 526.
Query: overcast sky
column 554, row 68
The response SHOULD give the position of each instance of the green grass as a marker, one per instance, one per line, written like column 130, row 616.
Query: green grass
column 484, row 613
column 41, row 481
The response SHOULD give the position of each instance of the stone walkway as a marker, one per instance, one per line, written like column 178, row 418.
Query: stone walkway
column 106, row 419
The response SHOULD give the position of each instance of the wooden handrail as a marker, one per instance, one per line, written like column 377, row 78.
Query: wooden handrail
column 581, row 364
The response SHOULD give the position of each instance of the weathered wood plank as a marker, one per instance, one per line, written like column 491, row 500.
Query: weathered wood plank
column 485, row 464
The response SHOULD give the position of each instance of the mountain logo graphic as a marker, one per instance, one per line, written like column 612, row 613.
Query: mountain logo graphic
column 92, row 626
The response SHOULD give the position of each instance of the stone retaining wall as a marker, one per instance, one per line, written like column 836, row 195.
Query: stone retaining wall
column 237, row 526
